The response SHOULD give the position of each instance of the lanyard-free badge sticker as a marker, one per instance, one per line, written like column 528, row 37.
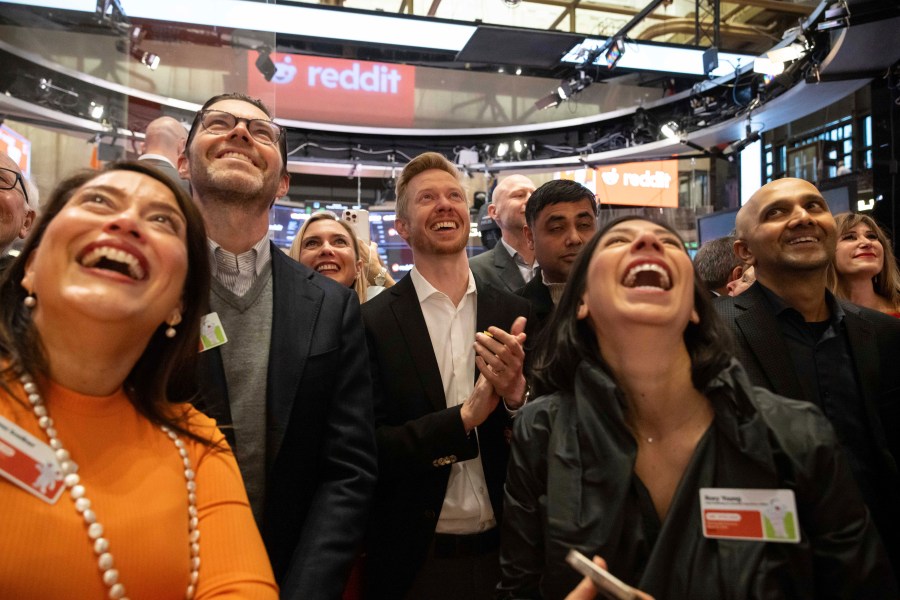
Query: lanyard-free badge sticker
column 29, row 463
column 751, row 514
column 211, row 332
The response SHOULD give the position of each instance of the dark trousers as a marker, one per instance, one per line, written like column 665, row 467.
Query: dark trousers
column 469, row 576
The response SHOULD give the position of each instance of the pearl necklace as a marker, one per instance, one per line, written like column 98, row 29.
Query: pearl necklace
column 72, row 481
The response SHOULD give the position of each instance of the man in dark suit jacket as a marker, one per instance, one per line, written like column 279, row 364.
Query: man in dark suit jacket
column 442, row 445
column 796, row 339
column 560, row 216
column 290, row 388
column 508, row 265
column 163, row 142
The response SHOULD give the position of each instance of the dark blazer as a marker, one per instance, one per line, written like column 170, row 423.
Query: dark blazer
column 497, row 269
column 321, row 465
column 874, row 342
column 541, row 303
column 418, row 436
column 169, row 170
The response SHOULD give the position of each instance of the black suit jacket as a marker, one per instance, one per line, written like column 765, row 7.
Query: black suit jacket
column 418, row 436
column 874, row 342
column 497, row 269
column 321, row 465
column 541, row 303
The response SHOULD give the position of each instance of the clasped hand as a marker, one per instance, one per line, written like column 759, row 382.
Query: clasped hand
column 499, row 357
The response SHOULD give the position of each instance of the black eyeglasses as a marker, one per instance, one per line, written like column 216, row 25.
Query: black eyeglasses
column 9, row 179
column 219, row 122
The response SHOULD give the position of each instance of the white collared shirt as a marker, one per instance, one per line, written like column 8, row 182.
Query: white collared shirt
column 237, row 272
column 525, row 269
column 467, row 504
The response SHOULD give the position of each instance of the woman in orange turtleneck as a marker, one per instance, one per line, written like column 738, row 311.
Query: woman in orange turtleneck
column 112, row 486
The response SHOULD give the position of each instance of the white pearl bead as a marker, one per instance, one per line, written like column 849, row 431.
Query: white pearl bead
column 35, row 399
column 95, row 530
column 51, row 432
column 71, row 480
column 195, row 563
column 45, row 422
column 117, row 591
column 194, row 577
column 191, row 486
column 101, row 545
column 89, row 517
column 192, row 510
column 55, row 444
column 189, row 474
column 193, row 523
column 62, row 455
column 30, row 388
column 67, row 467
column 190, row 592
column 195, row 535
column 105, row 561
column 82, row 504
column 195, row 549
column 110, row 576
column 77, row 491
column 40, row 410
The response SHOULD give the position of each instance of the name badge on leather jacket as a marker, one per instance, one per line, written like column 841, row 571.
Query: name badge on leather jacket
column 749, row 514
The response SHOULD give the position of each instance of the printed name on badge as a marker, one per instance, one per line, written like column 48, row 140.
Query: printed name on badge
column 749, row 514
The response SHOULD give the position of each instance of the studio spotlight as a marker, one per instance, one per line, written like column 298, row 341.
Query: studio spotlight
column 96, row 111
column 518, row 146
column 502, row 149
column 787, row 53
column 264, row 63
column 767, row 66
column 670, row 130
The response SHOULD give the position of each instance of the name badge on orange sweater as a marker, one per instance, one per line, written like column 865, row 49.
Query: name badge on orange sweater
column 29, row 463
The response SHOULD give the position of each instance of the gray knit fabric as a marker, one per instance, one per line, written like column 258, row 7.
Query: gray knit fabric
column 247, row 321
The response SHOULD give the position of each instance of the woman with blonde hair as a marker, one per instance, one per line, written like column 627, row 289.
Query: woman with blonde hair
column 864, row 270
column 329, row 246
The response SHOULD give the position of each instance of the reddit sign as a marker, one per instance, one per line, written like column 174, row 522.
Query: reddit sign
column 649, row 183
column 334, row 90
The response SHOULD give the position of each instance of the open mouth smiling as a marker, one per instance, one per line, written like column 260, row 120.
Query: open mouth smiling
column 444, row 226
column 648, row 276
column 237, row 156
column 328, row 268
column 111, row 258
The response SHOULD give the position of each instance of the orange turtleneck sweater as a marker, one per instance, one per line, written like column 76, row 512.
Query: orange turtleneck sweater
column 134, row 478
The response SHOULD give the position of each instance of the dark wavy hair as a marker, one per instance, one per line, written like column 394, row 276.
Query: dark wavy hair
column 167, row 369
column 566, row 340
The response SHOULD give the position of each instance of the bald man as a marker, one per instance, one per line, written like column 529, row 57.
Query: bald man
column 796, row 339
column 510, row 264
column 163, row 143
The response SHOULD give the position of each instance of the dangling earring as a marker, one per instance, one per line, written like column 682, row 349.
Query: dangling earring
column 173, row 321
column 30, row 301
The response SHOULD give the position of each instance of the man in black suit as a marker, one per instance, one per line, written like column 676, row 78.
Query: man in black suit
column 796, row 339
column 442, row 433
column 560, row 216
column 163, row 142
column 290, row 387
column 510, row 264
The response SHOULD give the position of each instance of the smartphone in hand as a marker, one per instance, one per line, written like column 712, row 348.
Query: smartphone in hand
column 609, row 585
column 359, row 221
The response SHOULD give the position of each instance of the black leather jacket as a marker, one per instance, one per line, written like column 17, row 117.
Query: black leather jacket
column 571, row 484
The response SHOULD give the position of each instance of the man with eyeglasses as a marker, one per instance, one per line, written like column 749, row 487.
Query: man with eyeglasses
column 16, row 213
column 290, row 387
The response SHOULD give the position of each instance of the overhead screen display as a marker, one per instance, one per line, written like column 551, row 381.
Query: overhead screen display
column 335, row 90
column 650, row 183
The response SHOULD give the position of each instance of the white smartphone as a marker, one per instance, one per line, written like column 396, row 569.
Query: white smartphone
column 359, row 221
column 608, row 584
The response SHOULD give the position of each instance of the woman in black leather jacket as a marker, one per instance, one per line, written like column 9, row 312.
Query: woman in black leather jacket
column 643, row 412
